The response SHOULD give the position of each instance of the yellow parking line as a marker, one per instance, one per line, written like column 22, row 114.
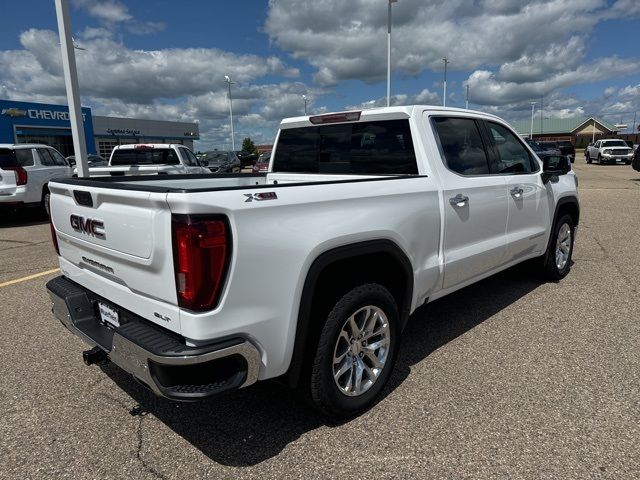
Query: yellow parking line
column 30, row 277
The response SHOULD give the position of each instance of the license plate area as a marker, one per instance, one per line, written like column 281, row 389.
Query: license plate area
column 108, row 315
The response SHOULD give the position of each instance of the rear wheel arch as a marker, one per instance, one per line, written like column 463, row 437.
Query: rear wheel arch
column 332, row 274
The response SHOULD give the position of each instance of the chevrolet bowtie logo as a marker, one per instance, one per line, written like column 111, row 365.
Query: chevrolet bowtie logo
column 14, row 112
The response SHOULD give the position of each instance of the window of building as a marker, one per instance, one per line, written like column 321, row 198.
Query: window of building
column 105, row 147
column 382, row 147
column 462, row 146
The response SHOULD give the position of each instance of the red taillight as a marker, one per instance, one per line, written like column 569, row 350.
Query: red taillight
column 201, row 251
column 21, row 174
column 54, row 237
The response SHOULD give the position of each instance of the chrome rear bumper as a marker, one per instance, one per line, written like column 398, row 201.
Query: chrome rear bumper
column 155, row 357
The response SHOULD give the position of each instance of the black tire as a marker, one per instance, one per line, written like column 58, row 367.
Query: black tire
column 550, row 268
column 325, row 394
column 599, row 159
column 45, row 202
column 588, row 158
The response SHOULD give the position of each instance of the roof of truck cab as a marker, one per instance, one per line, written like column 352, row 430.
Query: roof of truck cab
column 132, row 146
column 384, row 113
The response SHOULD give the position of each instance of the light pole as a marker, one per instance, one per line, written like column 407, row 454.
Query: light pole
column 467, row 102
column 444, row 96
column 389, row 53
column 532, row 108
column 71, row 84
column 304, row 98
column 229, row 82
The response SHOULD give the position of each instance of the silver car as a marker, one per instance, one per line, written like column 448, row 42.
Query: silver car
column 25, row 171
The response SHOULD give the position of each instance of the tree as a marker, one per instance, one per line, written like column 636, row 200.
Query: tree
column 249, row 146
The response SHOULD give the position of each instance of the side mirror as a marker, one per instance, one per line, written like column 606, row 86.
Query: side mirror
column 554, row 165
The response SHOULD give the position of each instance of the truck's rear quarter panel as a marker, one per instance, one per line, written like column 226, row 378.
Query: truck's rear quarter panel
column 276, row 241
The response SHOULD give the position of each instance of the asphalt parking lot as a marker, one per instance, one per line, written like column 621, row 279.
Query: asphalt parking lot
column 510, row 378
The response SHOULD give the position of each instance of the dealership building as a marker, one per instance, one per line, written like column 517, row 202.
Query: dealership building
column 25, row 122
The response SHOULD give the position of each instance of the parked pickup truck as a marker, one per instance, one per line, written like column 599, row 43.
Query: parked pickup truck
column 150, row 159
column 307, row 273
column 609, row 151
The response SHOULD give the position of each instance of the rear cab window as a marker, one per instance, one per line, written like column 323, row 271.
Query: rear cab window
column 20, row 157
column 144, row 156
column 377, row 147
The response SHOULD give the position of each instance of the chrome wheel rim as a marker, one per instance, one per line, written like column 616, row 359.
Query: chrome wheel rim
column 563, row 246
column 361, row 351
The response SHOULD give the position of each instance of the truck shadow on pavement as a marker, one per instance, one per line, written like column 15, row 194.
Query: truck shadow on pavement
column 23, row 217
column 249, row 426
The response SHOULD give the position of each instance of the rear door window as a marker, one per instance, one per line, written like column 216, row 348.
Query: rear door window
column 461, row 144
column 189, row 158
column 45, row 157
column 381, row 147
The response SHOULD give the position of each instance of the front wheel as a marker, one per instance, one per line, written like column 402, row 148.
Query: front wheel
column 356, row 351
column 557, row 261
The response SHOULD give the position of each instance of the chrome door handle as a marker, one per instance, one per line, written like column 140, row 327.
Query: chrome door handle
column 516, row 192
column 459, row 200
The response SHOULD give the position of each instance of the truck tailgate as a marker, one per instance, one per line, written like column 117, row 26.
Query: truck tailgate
column 116, row 242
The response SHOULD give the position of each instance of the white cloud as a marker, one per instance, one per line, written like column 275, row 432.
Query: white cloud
column 347, row 40
column 487, row 88
column 424, row 97
column 105, row 10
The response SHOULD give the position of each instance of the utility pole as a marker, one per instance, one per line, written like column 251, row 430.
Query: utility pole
column 541, row 114
column 71, row 84
column 532, row 109
column 304, row 98
column 467, row 102
column 444, row 95
column 229, row 82
column 389, row 52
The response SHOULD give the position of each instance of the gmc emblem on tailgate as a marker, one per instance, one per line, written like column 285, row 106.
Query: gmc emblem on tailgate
column 88, row 226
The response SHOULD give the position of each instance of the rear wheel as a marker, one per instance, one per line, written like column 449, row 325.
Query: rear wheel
column 356, row 351
column 45, row 202
column 588, row 158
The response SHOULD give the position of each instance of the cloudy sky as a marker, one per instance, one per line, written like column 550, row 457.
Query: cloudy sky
column 163, row 59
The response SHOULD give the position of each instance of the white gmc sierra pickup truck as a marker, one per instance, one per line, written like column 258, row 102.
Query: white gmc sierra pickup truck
column 150, row 159
column 200, row 284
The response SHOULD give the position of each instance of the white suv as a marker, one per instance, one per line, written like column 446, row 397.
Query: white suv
column 25, row 171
